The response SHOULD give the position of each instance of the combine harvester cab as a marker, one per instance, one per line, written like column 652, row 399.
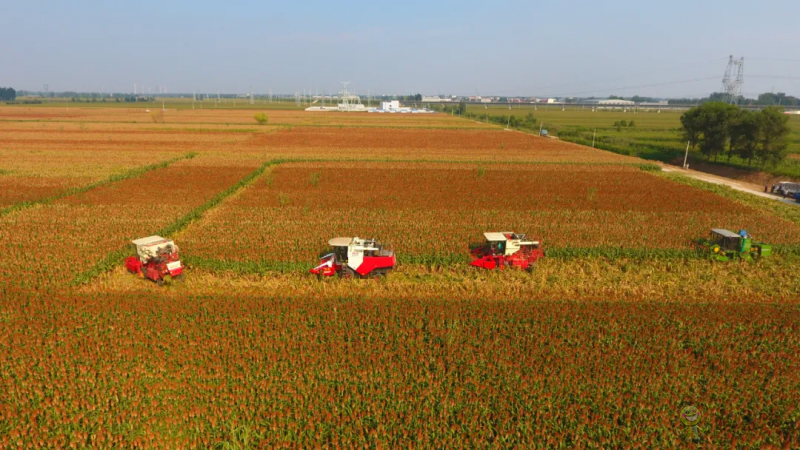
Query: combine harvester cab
column 725, row 245
column 156, row 258
column 356, row 257
column 506, row 249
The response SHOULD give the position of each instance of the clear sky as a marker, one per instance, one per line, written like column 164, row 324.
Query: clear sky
column 551, row 48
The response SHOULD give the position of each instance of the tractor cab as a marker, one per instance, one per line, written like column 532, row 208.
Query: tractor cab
column 507, row 242
column 725, row 245
column 340, row 245
column 728, row 240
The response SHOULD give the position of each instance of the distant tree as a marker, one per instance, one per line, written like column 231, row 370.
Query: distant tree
column 631, row 124
column 767, row 99
column 773, row 136
column 261, row 118
column 418, row 97
column 712, row 123
column 157, row 116
column 744, row 135
column 8, row 94
column 461, row 108
column 690, row 126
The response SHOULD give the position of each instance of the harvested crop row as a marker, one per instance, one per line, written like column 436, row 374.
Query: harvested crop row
column 431, row 213
column 48, row 245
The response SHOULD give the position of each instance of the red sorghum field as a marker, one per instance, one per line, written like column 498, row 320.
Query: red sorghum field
column 621, row 324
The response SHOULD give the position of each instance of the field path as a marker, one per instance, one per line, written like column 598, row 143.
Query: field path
column 734, row 184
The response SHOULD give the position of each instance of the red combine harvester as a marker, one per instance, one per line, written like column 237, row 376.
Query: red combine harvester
column 156, row 258
column 506, row 249
column 355, row 257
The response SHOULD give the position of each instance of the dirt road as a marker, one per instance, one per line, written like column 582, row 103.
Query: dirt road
column 738, row 185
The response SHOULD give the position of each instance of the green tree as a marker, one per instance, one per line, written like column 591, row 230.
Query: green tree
column 744, row 135
column 773, row 133
column 690, row 126
column 709, row 124
column 261, row 118
column 461, row 108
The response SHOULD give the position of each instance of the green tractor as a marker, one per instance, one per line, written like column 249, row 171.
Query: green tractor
column 726, row 245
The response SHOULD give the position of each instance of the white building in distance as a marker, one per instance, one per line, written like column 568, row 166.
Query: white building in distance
column 612, row 102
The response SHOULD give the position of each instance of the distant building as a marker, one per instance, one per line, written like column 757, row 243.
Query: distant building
column 485, row 99
column 388, row 106
column 436, row 99
column 611, row 102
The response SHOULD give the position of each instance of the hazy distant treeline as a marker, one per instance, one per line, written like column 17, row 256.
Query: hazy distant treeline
column 8, row 94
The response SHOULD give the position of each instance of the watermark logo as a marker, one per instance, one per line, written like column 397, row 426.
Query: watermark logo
column 690, row 418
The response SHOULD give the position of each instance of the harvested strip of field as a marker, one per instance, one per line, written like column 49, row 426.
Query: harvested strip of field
column 48, row 245
column 582, row 279
column 430, row 213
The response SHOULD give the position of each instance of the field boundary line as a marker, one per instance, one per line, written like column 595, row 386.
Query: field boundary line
column 116, row 258
column 133, row 173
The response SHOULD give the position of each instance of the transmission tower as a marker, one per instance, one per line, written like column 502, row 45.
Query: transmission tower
column 734, row 79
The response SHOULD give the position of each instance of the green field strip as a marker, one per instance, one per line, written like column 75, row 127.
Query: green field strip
column 4, row 172
column 133, row 173
column 116, row 258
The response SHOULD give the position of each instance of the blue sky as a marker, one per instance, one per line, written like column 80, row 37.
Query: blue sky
column 495, row 48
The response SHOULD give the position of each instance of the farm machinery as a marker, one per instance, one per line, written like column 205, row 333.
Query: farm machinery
column 724, row 245
column 356, row 258
column 156, row 259
column 506, row 249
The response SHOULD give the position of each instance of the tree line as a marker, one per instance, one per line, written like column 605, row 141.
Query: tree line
column 8, row 94
column 765, row 99
column 721, row 129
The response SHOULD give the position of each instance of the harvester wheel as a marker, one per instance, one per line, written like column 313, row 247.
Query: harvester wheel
column 160, row 282
column 348, row 272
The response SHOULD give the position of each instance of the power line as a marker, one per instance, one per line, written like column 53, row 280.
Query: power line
column 777, row 77
column 774, row 59
column 641, row 86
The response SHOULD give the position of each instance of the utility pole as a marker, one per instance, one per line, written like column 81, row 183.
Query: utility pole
column 593, row 136
column 686, row 156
